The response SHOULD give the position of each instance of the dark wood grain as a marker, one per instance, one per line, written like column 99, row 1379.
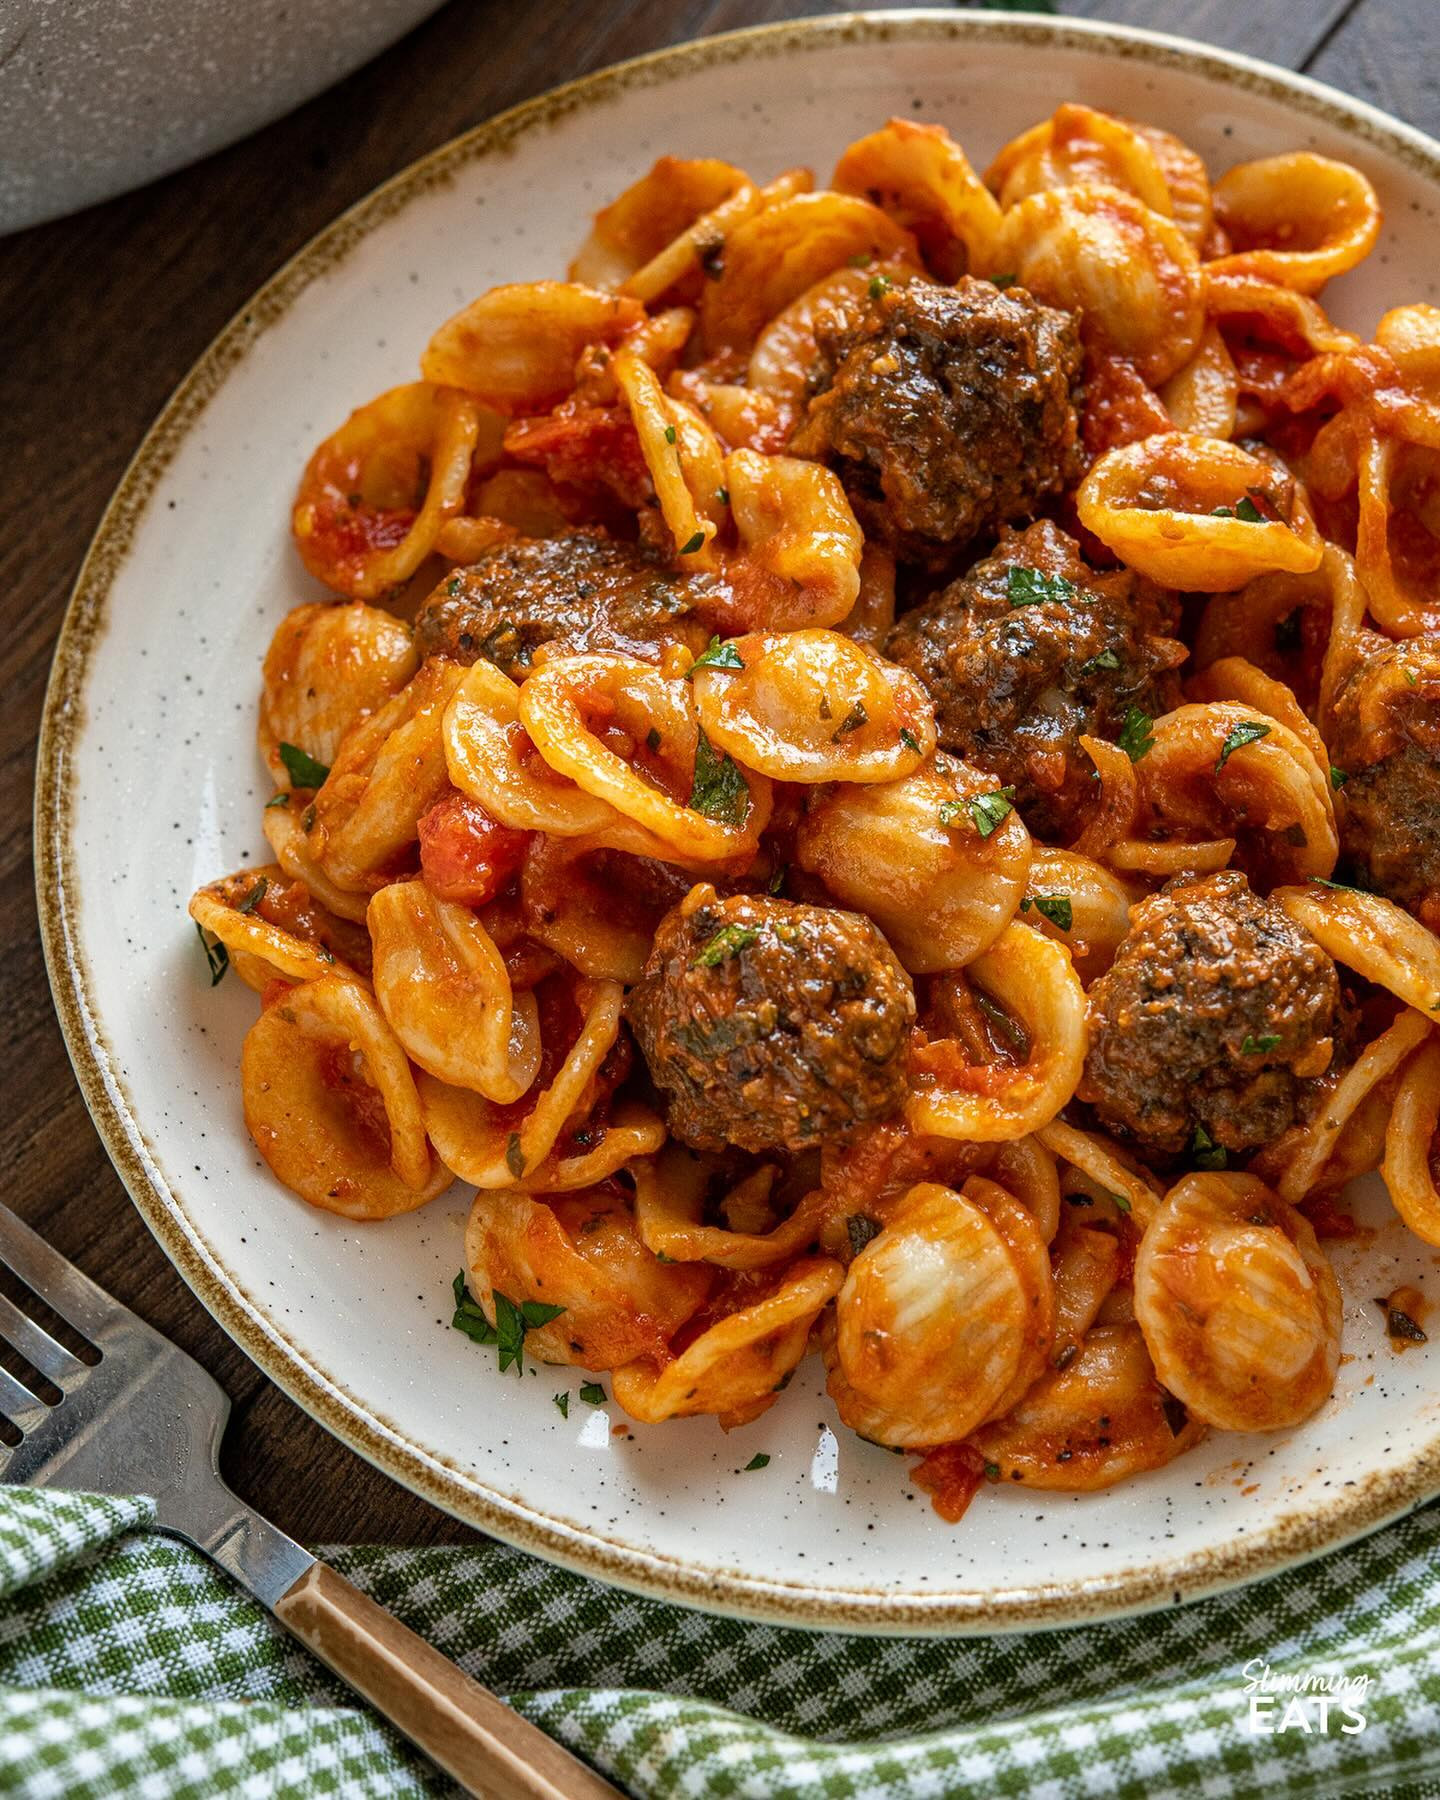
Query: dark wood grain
column 100, row 316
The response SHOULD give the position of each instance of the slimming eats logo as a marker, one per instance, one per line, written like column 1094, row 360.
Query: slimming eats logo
column 1314, row 1702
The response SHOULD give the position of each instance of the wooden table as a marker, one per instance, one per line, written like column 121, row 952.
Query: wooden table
column 100, row 316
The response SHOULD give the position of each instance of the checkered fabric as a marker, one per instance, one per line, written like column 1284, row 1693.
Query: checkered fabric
column 128, row 1665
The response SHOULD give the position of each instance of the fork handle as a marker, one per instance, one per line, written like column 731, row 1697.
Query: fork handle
column 489, row 1749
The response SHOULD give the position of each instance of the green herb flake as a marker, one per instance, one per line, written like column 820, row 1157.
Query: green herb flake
column 1338, row 778
column 562, row 1404
column 1207, row 1154
column 722, row 494
column 1261, row 1046
column 1248, row 731
column 716, row 655
column 1003, row 281
column 470, row 1315
column 992, row 1471
column 512, row 1320
column 1400, row 1325
column 514, row 1155
column 879, row 284
column 255, row 896
column 452, row 586
column 989, row 811
column 1028, row 587
column 1057, row 908
column 728, row 941
column 862, row 259
column 777, row 880
column 1412, row 678
column 1136, row 738
column 1120, row 1201
column 861, row 1228
column 216, row 956
column 696, row 543
column 910, row 741
column 592, row 1393
column 1106, row 659
column 1222, row 512
column 1246, row 509
column 277, row 800
column 758, row 1461
column 719, row 791
column 303, row 770
column 1340, row 887
column 853, row 720
column 669, row 434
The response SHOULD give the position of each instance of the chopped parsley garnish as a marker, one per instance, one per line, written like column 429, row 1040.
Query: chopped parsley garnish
column 452, row 586
column 1245, row 509
column 716, row 655
column 1028, row 587
column 514, row 1155
column 991, row 1471
column 216, row 955
column 512, row 1320
column 562, row 1404
column 592, row 1393
column 719, row 792
column 1207, row 1154
column 255, row 896
column 758, row 1461
column 1338, row 778
column 652, row 740
column 669, row 434
column 1003, row 281
column 1136, row 738
column 909, row 739
column 879, row 284
column 277, row 800
column 722, row 494
column 861, row 1228
column 696, row 543
column 1248, row 731
column 1340, row 887
column 1261, row 1046
column 1121, row 1202
column 728, row 941
column 1106, row 659
column 988, row 811
column 303, row 770
column 1412, row 677
column 1054, row 907
column 853, row 720
column 777, row 880
column 1399, row 1324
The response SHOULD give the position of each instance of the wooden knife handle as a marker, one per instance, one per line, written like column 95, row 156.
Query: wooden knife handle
column 489, row 1749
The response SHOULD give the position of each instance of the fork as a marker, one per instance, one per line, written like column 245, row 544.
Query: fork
column 147, row 1419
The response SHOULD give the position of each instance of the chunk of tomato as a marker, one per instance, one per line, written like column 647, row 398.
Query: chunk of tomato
column 466, row 855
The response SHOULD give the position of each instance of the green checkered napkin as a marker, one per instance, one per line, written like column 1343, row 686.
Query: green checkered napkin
column 128, row 1665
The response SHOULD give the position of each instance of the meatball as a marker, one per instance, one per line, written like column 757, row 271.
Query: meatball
column 947, row 411
column 771, row 1025
column 1385, row 745
column 581, row 590
column 1030, row 650
column 1216, row 1015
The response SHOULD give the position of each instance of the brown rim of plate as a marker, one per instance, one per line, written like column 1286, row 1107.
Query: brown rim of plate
column 1356, row 1509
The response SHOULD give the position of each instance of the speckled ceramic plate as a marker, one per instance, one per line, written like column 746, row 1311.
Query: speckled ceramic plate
column 149, row 785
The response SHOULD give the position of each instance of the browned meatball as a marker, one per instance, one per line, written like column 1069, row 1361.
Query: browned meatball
column 1216, row 1014
column 946, row 411
column 581, row 590
column 1385, row 745
column 1028, row 651
column 771, row 1025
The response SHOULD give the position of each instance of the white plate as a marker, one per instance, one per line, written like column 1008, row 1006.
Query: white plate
column 149, row 785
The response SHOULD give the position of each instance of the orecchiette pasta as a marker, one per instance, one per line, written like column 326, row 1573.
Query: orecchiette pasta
column 865, row 770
